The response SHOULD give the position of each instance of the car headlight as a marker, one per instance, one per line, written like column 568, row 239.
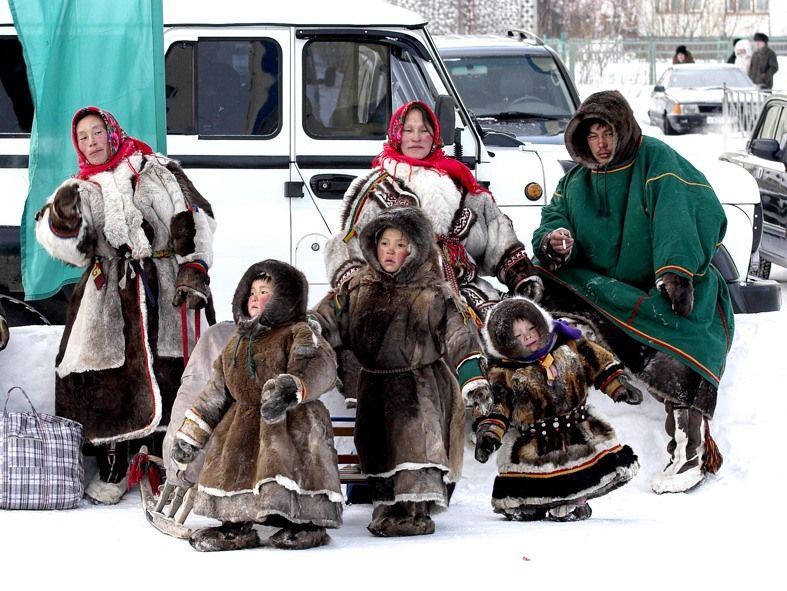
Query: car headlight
column 684, row 109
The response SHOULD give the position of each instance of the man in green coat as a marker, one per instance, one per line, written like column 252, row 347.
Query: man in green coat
column 627, row 242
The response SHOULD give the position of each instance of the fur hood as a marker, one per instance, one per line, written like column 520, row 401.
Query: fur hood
column 611, row 108
column 499, row 328
column 287, row 305
column 412, row 222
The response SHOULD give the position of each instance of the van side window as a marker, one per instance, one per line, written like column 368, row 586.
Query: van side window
column 236, row 83
column 770, row 125
column 352, row 87
column 16, row 104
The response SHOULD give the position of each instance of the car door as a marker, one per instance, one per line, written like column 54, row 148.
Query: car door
column 228, row 123
column 771, row 176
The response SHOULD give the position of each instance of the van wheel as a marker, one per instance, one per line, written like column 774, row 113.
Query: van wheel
column 764, row 269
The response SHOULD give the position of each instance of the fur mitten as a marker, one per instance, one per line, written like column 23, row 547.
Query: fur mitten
column 183, row 453
column 679, row 290
column 192, row 286
column 627, row 392
column 3, row 333
column 531, row 287
column 479, row 396
column 64, row 211
column 278, row 394
column 488, row 436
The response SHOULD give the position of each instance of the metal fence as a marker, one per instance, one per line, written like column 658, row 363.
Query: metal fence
column 741, row 109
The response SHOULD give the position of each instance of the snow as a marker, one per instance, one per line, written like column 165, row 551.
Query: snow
column 719, row 535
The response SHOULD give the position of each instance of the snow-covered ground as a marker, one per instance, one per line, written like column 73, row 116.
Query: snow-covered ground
column 724, row 534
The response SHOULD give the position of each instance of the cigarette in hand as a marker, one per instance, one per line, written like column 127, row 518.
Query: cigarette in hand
column 564, row 244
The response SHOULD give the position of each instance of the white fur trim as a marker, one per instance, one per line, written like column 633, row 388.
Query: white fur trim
column 415, row 466
column 194, row 417
column 437, row 193
column 190, row 440
column 282, row 481
column 151, row 377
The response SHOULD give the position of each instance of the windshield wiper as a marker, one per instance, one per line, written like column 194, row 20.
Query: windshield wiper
column 512, row 115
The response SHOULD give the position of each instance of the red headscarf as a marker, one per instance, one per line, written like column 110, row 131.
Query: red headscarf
column 121, row 145
column 437, row 160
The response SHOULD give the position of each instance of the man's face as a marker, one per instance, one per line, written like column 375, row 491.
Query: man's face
column 759, row 44
column 601, row 141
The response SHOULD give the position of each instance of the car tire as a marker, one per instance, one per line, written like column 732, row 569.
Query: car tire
column 763, row 269
column 666, row 127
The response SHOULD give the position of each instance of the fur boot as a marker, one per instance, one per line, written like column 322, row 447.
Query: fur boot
column 525, row 514
column 227, row 536
column 100, row 492
column 404, row 518
column 569, row 512
column 686, row 448
column 299, row 537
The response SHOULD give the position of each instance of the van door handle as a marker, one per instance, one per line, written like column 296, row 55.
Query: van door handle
column 330, row 186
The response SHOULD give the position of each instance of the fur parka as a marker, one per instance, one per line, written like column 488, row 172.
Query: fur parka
column 408, row 332
column 475, row 238
column 138, row 230
column 259, row 470
column 555, row 448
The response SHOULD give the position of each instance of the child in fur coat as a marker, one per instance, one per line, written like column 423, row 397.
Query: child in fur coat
column 271, row 458
column 555, row 451
column 413, row 338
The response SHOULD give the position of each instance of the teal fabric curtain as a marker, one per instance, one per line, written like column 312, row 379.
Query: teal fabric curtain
column 83, row 52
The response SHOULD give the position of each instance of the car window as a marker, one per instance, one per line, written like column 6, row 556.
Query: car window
column 490, row 85
column 16, row 104
column 770, row 124
column 236, row 83
column 351, row 88
column 702, row 78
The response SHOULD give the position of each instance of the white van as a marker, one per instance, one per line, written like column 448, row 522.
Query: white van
column 273, row 109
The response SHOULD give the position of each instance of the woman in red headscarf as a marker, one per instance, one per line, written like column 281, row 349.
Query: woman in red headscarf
column 144, row 236
column 474, row 237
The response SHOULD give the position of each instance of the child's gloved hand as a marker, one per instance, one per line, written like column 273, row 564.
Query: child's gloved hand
column 278, row 394
column 627, row 392
column 183, row 453
column 487, row 441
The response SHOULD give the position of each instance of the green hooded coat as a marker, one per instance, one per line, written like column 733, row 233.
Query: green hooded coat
column 646, row 213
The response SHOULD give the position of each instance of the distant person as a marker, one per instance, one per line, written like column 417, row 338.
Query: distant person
column 731, row 59
column 763, row 62
column 743, row 54
column 682, row 56
column 3, row 329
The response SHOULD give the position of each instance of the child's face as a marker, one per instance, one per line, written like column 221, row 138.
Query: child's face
column 527, row 334
column 392, row 250
column 261, row 292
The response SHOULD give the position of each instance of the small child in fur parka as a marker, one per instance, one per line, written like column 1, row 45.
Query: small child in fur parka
column 555, row 451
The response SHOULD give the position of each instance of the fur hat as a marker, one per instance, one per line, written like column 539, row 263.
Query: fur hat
column 682, row 49
column 761, row 37
column 610, row 107
column 410, row 221
column 288, row 302
column 499, row 328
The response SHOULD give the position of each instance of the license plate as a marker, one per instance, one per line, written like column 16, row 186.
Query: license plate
column 715, row 120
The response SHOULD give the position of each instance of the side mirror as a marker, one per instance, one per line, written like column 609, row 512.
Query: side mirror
column 764, row 148
column 658, row 88
column 446, row 115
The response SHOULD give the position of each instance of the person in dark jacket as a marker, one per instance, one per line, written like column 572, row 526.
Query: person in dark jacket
column 682, row 56
column 763, row 63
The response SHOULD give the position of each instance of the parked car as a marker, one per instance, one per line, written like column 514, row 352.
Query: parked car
column 765, row 158
column 513, row 84
column 688, row 97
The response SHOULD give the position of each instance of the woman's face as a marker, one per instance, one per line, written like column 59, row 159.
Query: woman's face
column 392, row 250
column 526, row 333
column 261, row 293
column 417, row 135
column 92, row 139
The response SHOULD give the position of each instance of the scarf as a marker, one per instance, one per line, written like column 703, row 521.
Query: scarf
column 436, row 160
column 121, row 145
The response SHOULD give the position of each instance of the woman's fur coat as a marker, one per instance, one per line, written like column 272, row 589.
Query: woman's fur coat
column 256, row 470
column 555, row 448
column 408, row 331
column 138, row 231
